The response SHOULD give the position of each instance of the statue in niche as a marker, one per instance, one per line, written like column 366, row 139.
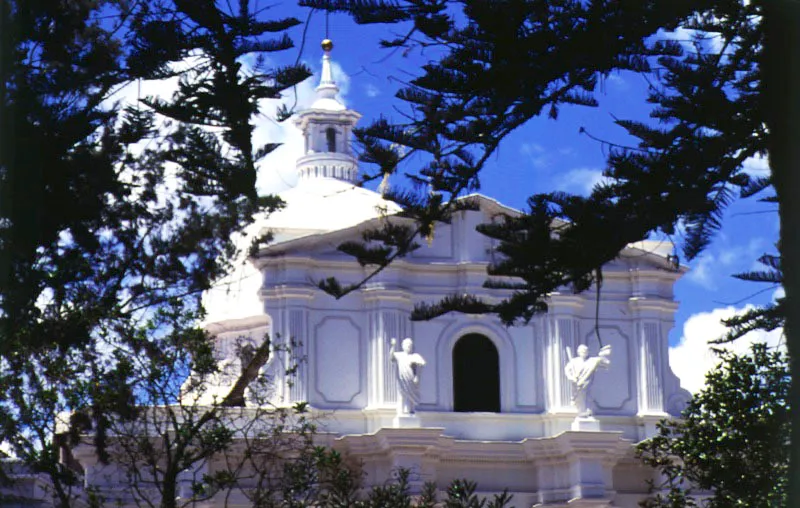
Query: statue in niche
column 580, row 371
column 409, row 365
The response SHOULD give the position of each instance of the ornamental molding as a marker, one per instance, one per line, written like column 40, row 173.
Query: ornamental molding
column 288, row 292
column 380, row 293
column 652, row 304
column 238, row 325
column 607, row 447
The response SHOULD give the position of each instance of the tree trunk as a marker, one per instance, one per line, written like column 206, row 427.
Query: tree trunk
column 781, row 92
column 169, row 487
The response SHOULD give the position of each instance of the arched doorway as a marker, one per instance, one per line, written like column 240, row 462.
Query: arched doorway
column 476, row 374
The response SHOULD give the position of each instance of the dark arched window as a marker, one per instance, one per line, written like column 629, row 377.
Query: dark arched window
column 331, row 137
column 476, row 375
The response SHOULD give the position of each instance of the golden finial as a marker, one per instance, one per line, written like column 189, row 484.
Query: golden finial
column 327, row 45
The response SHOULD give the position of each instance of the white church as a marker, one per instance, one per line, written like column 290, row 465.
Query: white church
column 541, row 410
column 493, row 404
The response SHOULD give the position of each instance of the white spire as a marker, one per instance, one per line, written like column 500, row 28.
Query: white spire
column 327, row 86
column 327, row 89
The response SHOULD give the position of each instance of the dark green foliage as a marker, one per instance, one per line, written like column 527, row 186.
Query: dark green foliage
column 467, row 304
column 461, row 494
column 326, row 480
column 767, row 317
column 717, row 100
column 732, row 445
column 138, row 233
column 113, row 221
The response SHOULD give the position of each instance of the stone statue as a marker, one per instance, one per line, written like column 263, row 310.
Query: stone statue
column 580, row 371
column 408, row 368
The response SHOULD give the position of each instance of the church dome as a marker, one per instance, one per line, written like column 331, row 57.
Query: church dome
column 326, row 198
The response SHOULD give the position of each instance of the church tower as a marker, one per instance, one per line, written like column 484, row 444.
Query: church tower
column 327, row 126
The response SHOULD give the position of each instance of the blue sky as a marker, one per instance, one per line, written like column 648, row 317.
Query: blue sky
column 541, row 156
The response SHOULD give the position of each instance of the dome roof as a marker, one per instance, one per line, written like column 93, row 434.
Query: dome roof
column 319, row 206
column 328, row 104
column 322, row 205
column 325, row 199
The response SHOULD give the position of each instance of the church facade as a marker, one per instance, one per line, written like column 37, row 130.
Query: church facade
column 550, row 410
column 492, row 404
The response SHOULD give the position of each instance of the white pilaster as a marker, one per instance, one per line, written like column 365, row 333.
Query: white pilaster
column 576, row 468
column 561, row 331
column 289, row 308
column 417, row 450
column 652, row 353
column 389, row 317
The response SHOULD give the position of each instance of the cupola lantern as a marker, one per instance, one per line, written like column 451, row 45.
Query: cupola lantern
column 327, row 126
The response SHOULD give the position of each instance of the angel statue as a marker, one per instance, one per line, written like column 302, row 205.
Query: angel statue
column 580, row 371
column 408, row 368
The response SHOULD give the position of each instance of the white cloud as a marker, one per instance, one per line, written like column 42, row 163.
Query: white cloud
column 692, row 357
column 530, row 148
column 580, row 180
column 537, row 154
column 371, row 90
column 130, row 93
column 708, row 267
column 751, row 252
column 5, row 450
column 275, row 171
column 702, row 271
column 757, row 166
column 711, row 41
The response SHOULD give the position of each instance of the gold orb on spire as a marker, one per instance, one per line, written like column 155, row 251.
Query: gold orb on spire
column 327, row 45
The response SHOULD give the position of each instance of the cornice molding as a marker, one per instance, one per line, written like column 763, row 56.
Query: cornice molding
column 289, row 292
column 653, row 304
column 238, row 325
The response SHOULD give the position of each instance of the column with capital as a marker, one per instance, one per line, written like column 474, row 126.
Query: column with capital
column 561, row 331
column 649, row 315
column 291, row 339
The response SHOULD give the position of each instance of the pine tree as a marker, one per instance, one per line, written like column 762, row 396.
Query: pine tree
column 767, row 317
column 714, row 106
column 112, row 218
